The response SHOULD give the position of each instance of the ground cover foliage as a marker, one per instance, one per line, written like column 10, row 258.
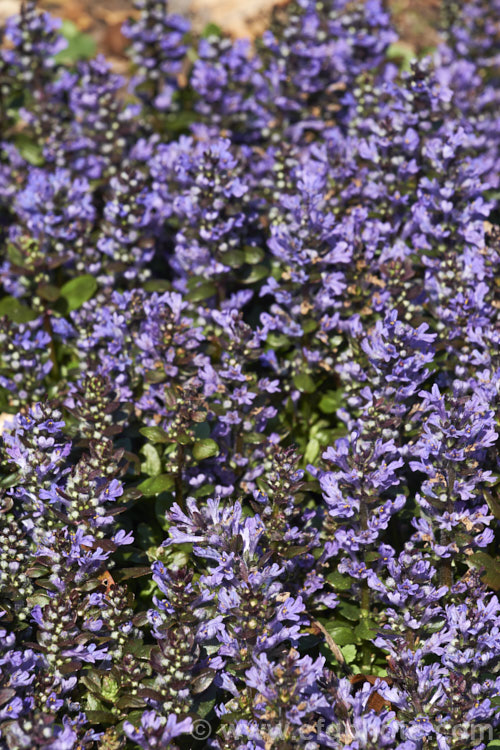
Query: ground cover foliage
column 249, row 334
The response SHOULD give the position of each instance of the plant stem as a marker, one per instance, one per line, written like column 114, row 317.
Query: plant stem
column 365, row 590
column 47, row 325
column 445, row 567
column 178, row 477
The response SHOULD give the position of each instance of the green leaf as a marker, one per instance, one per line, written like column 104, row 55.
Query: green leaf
column 157, row 285
column 78, row 290
column 256, row 274
column 36, row 571
column 92, row 682
column 204, row 490
column 155, row 485
column 14, row 253
column 155, row 434
column 205, row 449
column 155, row 376
column 16, row 311
column 491, row 575
column 378, row 670
column 312, row 451
column 70, row 667
column 203, row 708
column 340, row 582
column 199, row 417
column 29, row 150
column 253, row 255
column 349, row 611
column 136, row 646
column 109, row 688
column 349, row 653
column 211, row 29
column 434, row 626
column 152, row 463
column 124, row 574
column 366, row 630
column 493, row 503
column 254, row 438
column 309, row 325
column 295, row 550
column 201, row 430
column 493, row 195
column 401, row 53
column 202, row 681
column 277, row 340
column 304, row 383
column 179, row 557
column 80, row 46
column 341, row 634
column 92, row 702
column 38, row 598
column 9, row 480
column 202, row 291
column 228, row 718
column 6, row 694
column 162, row 505
column 233, row 258
column 100, row 717
column 48, row 292
column 331, row 401
column 130, row 701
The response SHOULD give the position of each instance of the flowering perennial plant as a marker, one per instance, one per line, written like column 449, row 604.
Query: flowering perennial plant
column 250, row 385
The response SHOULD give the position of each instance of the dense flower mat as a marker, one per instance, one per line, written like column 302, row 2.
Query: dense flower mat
column 249, row 325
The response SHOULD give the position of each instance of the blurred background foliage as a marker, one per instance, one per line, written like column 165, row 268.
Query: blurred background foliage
column 95, row 25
